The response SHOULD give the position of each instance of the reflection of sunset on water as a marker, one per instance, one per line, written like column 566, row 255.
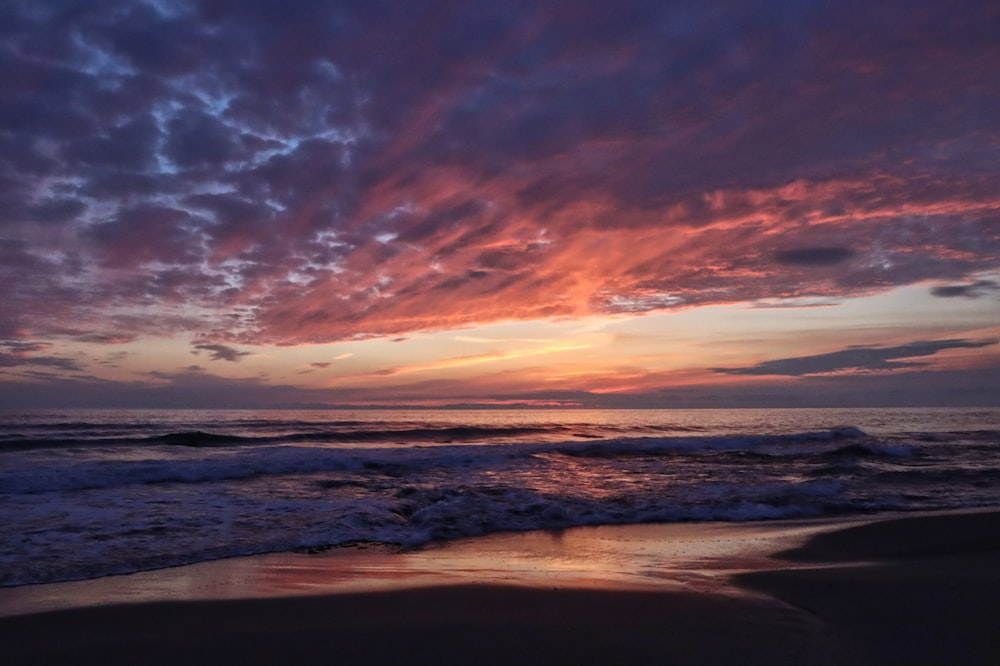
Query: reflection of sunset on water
column 691, row 557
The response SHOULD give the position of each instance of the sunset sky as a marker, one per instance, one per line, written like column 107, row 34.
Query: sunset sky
column 650, row 204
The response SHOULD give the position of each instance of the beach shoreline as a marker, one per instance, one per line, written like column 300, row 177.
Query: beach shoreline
column 652, row 557
column 886, row 589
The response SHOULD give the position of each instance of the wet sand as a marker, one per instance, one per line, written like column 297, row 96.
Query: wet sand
column 916, row 590
column 909, row 591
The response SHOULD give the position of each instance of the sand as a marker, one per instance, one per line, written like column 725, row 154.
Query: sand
column 909, row 591
column 916, row 590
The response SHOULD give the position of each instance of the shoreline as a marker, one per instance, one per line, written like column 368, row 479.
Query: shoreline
column 911, row 588
column 645, row 556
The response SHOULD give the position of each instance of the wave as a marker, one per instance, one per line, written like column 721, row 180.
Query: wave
column 979, row 435
column 102, row 474
column 343, row 432
column 228, row 459
column 443, row 435
column 197, row 438
column 604, row 441
column 413, row 517
column 190, row 493
column 873, row 450
column 788, row 444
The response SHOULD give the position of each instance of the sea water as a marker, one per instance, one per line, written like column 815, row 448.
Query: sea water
column 92, row 493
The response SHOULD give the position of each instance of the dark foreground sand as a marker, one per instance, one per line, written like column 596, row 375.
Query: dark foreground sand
column 921, row 590
column 930, row 593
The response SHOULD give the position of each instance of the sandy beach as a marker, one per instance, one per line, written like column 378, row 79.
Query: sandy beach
column 915, row 590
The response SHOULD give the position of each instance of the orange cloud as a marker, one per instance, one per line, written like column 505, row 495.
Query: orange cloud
column 500, row 260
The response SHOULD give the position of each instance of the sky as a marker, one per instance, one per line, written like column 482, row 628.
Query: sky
column 249, row 203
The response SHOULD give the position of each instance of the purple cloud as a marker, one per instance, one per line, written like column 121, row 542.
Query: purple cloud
column 304, row 166
column 16, row 354
column 863, row 359
column 221, row 352
column 814, row 256
column 976, row 289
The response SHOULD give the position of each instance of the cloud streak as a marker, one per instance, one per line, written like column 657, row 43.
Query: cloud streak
column 858, row 359
column 977, row 289
column 220, row 352
column 477, row 359
column 814, row 256
column 17, row 354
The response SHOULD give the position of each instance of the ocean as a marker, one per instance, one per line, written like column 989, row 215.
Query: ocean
column 88, row 493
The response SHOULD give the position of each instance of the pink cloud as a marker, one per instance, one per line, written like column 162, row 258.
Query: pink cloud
column 825, row 239
column 259, row 176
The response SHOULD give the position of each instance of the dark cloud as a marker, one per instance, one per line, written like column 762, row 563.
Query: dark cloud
column 143, row 37
column 814, row 256
column 14, row 354
column 56, row 210
column 864, row 359
column 221, row 352
column 199, row 139
column 144, row 234
column 191, row 387
column 128, row 147
column 976, row 289
column 107, row 338
column 21, row 348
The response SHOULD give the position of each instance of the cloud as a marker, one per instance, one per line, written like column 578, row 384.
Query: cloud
column 779, row 304
column 59, row 362
column 221, row 352
column 814, row 256
column 23, row 348
column 107, row 338
column 476, row 359
column 857, row 359
column 306, row 168
column 56, row 210
column 15, row 354
column 199, row 139
column 976, row 289
column 189, row 388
